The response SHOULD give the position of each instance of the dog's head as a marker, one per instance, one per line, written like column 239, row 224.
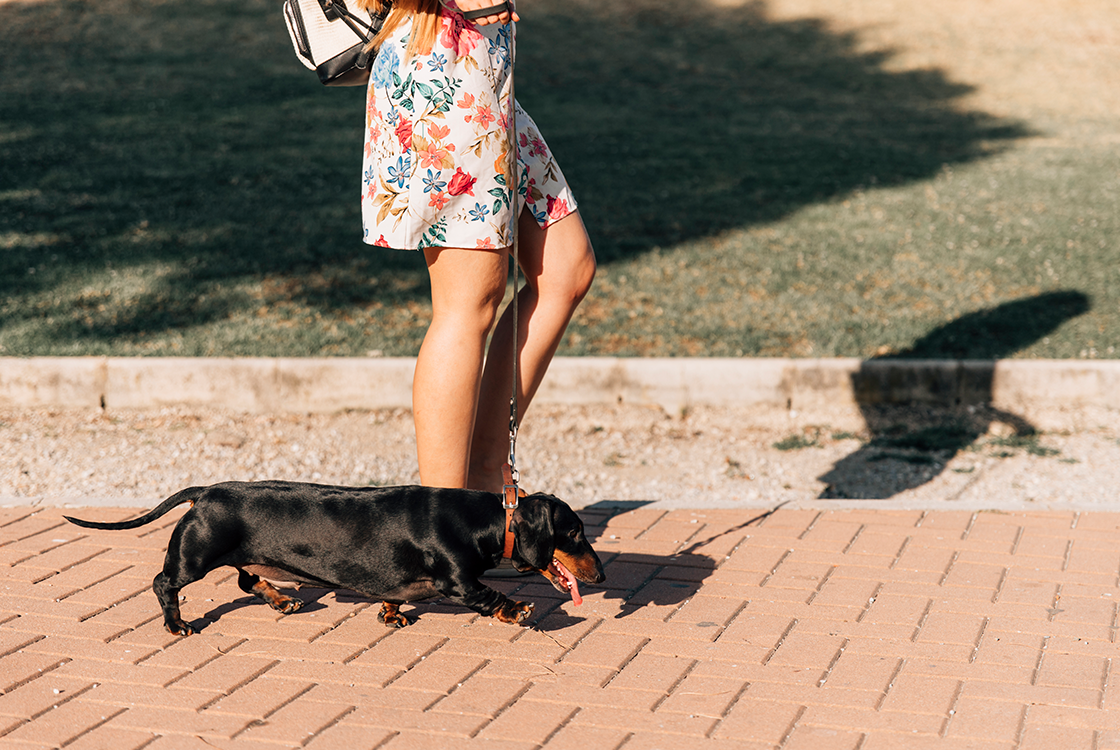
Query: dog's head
column 549, row 539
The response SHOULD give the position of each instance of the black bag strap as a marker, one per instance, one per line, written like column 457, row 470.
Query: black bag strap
column 493, row 10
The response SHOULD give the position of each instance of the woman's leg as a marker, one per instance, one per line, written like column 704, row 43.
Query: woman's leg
column 467, row 289
column 559, row 265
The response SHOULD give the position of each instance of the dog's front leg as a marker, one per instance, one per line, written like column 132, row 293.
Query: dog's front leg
column 486, row 601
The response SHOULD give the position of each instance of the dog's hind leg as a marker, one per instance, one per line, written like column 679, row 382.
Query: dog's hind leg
column 390, row 614
column 168, row 596
column 254, row 584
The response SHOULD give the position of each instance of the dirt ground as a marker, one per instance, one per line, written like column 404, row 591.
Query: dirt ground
column 707, row 457
column 1045, row 62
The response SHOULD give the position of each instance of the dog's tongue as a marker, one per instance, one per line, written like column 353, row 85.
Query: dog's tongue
column 573, row 584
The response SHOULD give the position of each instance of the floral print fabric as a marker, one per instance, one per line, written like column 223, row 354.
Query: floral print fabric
column 437, row 144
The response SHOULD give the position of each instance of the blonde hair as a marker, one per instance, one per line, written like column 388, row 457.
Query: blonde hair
column 425, row 24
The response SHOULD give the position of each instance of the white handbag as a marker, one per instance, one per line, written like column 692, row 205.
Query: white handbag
column 331, row 39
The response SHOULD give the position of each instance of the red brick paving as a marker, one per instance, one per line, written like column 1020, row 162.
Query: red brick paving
column 838, row 630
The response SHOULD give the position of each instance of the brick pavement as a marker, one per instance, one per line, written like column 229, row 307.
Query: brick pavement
column 838, row 629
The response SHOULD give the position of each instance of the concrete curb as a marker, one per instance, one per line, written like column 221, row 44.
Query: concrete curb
column 1054, row 394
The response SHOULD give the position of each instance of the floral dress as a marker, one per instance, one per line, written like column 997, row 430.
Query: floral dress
column 437, row 144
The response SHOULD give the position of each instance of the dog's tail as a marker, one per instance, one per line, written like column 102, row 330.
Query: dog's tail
column 188, row 495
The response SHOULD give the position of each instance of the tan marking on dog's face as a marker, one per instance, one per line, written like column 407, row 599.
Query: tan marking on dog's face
column 584, row 568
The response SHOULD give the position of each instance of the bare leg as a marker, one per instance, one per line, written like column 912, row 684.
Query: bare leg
column 559, row 265
column 467, row 289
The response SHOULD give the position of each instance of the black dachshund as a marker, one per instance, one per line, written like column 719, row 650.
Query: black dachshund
column 395, row 544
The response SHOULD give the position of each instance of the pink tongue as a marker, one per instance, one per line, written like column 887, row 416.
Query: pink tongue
column 571, row 579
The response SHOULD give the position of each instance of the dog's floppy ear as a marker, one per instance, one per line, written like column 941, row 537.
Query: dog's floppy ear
column 532, row 530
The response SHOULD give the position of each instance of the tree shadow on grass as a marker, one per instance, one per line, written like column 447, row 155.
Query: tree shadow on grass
column 919, row 419
column 181, row 149
column 679, row 119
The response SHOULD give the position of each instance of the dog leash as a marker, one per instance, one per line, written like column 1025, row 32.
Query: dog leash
column 509, row 469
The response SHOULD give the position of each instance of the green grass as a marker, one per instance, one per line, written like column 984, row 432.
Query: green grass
column 174, row 183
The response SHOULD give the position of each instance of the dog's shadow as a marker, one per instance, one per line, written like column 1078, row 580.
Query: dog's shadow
column 637, row 580
column 310, row 596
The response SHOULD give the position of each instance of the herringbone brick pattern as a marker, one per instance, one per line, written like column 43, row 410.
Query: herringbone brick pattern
column 715, row 629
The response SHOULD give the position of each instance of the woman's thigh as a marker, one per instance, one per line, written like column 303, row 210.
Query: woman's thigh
column 466, row 281
column 558, row 259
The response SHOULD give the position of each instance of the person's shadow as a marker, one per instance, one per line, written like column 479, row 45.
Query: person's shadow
column 948, row 404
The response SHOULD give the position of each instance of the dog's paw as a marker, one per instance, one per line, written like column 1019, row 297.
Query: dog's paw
column 179, row 628
column 390, row 614
column 287, row 605
column 514, row 612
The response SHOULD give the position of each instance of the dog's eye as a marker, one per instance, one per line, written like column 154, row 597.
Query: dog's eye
column 574, row 533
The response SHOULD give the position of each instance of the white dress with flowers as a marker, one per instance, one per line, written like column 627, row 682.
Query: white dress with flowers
column 437, row 144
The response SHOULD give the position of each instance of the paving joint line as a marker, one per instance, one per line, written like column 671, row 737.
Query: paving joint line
column 811, row 525
column 952, row 708
column 922, row 621
column 890, row 684
column 727, row 710
column 792, row 727
column 98, row 582
column 40, row 674
column 727, row 623
column 1022, row 726
column 781, row 640
column 774, row 570
column 854, row 538
column 64, row 701
column 676, row 683
column 999, row 586
column 968, row 529
column 562, row 724
column 111, row 605
column 454, row 688
column 629, row 736
column 832, row 664
column 949, row 567
column 23, row 645
column 824, row 580
column 653, row 523
column 645, row 642
column 236, row 687
column 393, row 734
column 901, row 551
column 104, row 720
column 581, row 639
column 870, row 600
column 979, row 640
column 1038, row 662
column 1105, row 673
column 1018, row 538
column 417, row 661
column 503, row 708
column 263, row 720
column 1054, row 610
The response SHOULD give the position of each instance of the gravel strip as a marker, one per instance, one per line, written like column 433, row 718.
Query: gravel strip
column 708, row 457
